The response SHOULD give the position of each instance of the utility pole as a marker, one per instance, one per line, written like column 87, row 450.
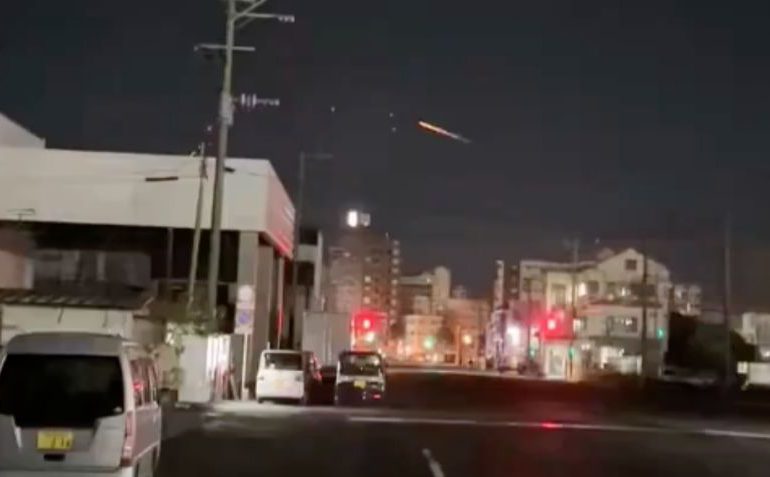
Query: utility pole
column 575, row 258
column 295, row 247
column 169, row 261
column 293, row 312
column 644, row 296
column 225, row 120
column 726, row 300
column 193, row 274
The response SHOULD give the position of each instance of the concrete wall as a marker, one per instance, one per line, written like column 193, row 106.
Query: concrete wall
column 110, row 188
column 13, row 135
column 18, row 319
column 16, row 265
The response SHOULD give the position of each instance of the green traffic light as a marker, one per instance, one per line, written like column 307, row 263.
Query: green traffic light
column 429, row 342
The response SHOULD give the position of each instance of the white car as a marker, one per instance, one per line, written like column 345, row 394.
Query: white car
column 77, row 404
column 287, row 375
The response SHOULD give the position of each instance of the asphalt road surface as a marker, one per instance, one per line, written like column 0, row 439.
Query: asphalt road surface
column 449, row 426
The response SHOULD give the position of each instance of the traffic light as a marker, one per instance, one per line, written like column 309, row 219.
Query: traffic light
column 429, row 342
column 551, row 324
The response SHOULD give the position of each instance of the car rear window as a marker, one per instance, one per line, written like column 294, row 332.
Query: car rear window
column 360, row 364
column 60, row 390
column 284, row 361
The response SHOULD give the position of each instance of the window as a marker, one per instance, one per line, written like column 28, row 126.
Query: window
column 559, row 292
column 60, row 390
column 593, row 288
column 140, row 382
column 152, row 379
column 622, row 324
column 631, row 264
column 284, row 361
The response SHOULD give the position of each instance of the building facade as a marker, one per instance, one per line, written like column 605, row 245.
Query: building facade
column 468, row 319
column 422, row 341
column 425, row 293
column 364, row 269
column 94, row 217
column 585, row 316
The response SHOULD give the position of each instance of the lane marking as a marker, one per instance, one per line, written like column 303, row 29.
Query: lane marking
column 738, row 434
column 548, row 425
column 433, row 464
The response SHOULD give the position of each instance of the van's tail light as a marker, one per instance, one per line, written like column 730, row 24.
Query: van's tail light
column 127, row 454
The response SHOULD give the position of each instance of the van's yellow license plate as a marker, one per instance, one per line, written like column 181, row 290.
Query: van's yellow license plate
column 359, row 384
column 55, row 440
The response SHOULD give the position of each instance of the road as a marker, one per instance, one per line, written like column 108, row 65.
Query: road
column 432, row 430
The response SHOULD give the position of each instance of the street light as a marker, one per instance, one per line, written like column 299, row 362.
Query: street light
column 303, row 156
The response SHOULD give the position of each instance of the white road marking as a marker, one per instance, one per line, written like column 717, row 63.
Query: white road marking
column 435, row 467
column 738, row 434
column 546, row 425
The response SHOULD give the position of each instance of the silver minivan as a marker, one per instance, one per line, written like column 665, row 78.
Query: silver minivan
column 77, row 404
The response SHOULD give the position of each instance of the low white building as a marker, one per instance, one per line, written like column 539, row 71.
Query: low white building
column 606, row 295
column 13, row 135
column 101, row 201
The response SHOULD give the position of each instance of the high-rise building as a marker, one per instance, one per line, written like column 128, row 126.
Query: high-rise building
column 364, row 266
column 506, row 285
column 425, row 293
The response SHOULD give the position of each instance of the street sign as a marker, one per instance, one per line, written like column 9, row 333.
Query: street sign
column 244, row 310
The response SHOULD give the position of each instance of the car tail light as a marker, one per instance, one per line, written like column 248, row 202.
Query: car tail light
column 127, row 453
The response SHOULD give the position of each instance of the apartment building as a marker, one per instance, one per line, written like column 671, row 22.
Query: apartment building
column 608, row 298
column 364, row 268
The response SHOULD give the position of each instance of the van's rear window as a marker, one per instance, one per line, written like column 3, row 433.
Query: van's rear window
column 60, row 390
column 286, row 361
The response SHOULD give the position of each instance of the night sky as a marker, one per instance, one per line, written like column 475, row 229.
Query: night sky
column 602, row 119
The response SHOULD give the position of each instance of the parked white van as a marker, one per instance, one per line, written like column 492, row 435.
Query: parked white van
column 287, row 375
column 77, row 404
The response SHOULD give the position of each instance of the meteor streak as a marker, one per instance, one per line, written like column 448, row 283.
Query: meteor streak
column 443, row 132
